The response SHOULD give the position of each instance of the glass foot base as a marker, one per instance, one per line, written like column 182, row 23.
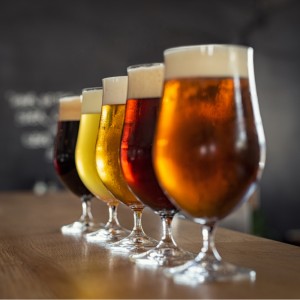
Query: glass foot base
column 162, row 257
column 133, row 244
column 197, row 272
column 105, row 235
column 80, row 227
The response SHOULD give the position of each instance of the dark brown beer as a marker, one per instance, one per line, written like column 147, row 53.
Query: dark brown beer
column 64, row 157
column 207, row 150
column 136, row 153
column 65, row 145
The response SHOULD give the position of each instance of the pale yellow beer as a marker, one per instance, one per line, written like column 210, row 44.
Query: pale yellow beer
column 109, row 139
column 86, row 145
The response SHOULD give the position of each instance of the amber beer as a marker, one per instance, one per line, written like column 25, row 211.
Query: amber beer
column 109, row 138
column 207, row 152
column 65, row 145
column 144, row 92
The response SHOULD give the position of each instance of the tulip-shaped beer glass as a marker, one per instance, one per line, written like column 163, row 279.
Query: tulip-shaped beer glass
column 86, row 165
column 209, row 149
column 108, row 162
column 143, row 98
column 64, row 162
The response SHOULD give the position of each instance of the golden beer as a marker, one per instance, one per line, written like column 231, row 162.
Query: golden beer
column 86, row 145
column 109, row 166
column 108, row 151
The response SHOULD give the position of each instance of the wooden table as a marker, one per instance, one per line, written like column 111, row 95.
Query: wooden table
column 37, row 261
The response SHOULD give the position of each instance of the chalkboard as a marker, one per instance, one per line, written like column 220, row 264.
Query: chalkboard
column 29, row 129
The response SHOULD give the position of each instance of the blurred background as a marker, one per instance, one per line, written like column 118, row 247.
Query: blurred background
column 53, row 47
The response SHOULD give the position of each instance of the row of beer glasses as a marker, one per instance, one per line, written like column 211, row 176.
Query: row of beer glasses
column 186, row 134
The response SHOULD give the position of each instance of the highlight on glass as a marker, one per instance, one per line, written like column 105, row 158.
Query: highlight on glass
column 209, row 149
column 86, row 166
column 143, row 98
column 108, row 162
column 64, row 162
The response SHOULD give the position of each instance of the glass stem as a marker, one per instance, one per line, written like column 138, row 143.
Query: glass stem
column 137, row 226
column 86, row 209
column 112, row 216
column 167, row 237
column 208, row 251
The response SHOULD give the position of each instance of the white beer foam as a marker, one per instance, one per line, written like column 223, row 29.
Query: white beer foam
column 114, row 90
column 207, row 61
column 69, row 108
column 145, row 81
column 91, row 101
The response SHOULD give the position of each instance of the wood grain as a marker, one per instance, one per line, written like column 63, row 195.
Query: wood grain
column 37, row 261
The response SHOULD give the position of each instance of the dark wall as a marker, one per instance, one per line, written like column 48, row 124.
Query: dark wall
column 48, row 48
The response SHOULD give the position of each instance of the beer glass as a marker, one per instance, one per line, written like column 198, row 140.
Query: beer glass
column 108, row 162
column 143, row 97
column 86, row 165
column 64, row 162
column 209, row 149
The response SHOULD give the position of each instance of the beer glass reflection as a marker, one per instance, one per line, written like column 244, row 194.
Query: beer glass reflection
column 209, row 150
column 86, row 165
column 108, row 162
column 143, row 97
column 64, row 162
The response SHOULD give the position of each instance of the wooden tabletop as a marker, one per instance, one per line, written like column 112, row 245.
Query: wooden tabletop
column 37, row 261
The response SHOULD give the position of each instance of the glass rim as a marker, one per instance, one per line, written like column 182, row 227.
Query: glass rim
column 203, row 46
column 145, row 65
column 96, row 88
column 69, row 97
column 114, row 77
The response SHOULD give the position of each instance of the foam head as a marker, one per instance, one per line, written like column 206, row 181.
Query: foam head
column 91, row 100
column 115, row 90
column 208, row 61
column 69, row 108
column 145, row 81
